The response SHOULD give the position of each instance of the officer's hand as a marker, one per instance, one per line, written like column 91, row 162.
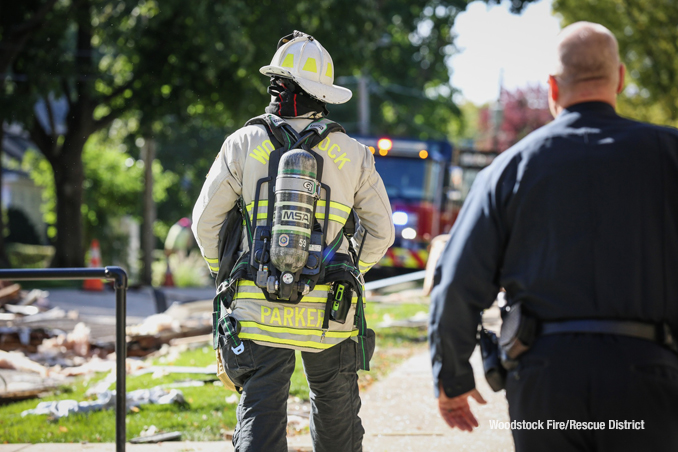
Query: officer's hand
column 456, row 410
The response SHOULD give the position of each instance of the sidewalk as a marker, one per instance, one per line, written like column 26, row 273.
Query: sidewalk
column 399, row 413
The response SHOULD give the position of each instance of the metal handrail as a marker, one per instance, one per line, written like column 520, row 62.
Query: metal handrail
column 119, row 278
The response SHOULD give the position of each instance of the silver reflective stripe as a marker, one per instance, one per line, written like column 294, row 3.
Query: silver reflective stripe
column 338, row 212
column 262, row 211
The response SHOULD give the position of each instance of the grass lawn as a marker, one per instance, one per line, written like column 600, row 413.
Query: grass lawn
column 207, row 416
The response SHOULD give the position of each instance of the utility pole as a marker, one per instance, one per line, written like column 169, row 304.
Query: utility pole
column 363, row 104
column 4, row 260
column 149, row 214
column 497, row 111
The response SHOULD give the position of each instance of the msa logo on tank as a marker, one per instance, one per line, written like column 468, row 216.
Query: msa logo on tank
column 296, row 215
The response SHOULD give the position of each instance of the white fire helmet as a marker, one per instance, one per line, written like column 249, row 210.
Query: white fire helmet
column 303, row 59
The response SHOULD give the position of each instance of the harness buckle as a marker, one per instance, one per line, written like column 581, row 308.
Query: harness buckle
column 239, row 349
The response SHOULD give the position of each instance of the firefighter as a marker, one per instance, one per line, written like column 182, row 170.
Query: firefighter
column 262, row 333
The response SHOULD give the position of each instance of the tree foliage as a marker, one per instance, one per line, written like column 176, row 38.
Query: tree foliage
column 648, row 43
column 114, row 184
column 174, row 63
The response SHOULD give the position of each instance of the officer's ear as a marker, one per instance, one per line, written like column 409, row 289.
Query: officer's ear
column 554, row 95
column 553, row 88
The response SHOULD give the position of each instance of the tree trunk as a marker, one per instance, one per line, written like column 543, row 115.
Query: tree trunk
column 147, row 237
column 4, row 261
column 68, row 179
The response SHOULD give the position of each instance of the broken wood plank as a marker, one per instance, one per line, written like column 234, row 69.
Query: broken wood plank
column 9, row 293
column 160, row 437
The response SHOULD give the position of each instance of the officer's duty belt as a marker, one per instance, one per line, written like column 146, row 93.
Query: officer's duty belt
column 651, row 332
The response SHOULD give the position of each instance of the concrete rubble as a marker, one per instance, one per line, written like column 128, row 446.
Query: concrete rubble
column 54, row 344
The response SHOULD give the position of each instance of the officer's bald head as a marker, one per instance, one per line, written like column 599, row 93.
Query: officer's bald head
column 586, row 52
column 587, row 64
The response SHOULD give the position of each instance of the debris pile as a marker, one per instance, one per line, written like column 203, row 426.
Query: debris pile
column 179, row 321
column 106, row 400
column 41, row 347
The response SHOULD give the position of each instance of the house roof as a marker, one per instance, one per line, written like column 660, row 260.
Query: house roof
column 15, row 141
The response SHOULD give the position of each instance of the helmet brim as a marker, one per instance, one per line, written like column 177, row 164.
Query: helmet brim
column 331, row 94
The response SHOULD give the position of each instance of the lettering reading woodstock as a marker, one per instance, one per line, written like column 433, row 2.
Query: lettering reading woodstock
column 260, row 153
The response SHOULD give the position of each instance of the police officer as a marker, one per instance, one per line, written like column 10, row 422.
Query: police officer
column 302, row 75
column 579, row 223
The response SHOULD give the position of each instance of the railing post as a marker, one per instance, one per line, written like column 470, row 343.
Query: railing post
column 119, row 278
column 120, row 283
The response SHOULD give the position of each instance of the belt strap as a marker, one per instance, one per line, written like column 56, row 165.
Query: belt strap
column 647, row 331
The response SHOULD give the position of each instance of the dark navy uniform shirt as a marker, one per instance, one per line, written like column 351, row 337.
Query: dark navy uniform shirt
column 578, row 220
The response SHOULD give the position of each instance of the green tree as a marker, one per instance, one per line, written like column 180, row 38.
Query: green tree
column 174, row 62
column 648, row 43
column 18, row 22
column 113, row 186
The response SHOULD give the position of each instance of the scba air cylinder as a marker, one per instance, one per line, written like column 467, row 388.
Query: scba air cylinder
column 296, row 192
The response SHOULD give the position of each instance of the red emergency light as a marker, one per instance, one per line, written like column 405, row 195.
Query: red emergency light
column 384, row 145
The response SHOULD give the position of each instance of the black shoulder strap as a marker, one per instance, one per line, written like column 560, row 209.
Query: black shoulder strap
column 322, row 128
column 279, row 131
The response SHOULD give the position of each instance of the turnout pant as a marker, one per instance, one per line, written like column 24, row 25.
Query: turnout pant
column 600, row 380
column 264, row 374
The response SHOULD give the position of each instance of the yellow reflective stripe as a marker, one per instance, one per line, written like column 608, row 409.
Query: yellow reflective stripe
column 335, row 205
column 260, row 215
column 288, row 61
column 337, row 218
column 212, row 261
column 299, row 331
column 275, row 340
column 214, row 268
column 363, row 266
column 261, row 296
column 304, row 299
column 246, row 283
column 262, row 203
column 310, row 66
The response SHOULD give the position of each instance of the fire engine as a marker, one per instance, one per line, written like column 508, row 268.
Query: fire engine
column 426, row 182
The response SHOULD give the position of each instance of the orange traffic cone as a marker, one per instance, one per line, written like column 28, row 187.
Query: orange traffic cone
column 94, row 261
column 169, row 279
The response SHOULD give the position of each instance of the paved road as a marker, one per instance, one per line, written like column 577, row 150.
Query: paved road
column 140, row 302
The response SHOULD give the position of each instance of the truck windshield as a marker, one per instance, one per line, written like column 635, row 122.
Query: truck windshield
column 409, row 179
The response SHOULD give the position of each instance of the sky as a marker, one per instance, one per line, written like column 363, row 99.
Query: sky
column 491, row 39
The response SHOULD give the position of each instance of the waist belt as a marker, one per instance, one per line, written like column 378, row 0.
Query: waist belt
column 651, row 332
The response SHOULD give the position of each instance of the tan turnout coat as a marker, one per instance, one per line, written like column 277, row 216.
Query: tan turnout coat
column 350, row 173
